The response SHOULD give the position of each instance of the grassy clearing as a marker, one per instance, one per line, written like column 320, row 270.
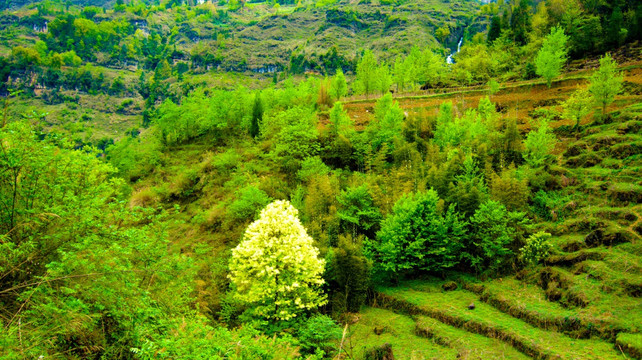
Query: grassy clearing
column 395, row 329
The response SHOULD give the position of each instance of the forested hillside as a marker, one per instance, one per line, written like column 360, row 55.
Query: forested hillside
column 374, row 179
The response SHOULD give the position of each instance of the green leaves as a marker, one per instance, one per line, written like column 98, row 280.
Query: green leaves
column 538, row 247
column 339, row 86
column 539, row 143
column 84, row 272
column 606, row 82
column 366, row 80
column 494, row 229
column 418, row 235
column 552, row 56
column 578, row 105
column 219, row 113
column 357, row 211
column 386, row 127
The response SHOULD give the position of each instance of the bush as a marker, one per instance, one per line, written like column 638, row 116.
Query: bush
column 550, row 205
column 319, row 333
column 538, row 247
column 249, row 201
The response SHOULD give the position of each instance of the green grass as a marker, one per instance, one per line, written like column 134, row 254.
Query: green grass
column 399, row 331
column 487, row 320
column 468, row 345
column 631, row 344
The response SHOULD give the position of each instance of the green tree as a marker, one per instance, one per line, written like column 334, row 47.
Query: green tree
column 348, row 275
column 319, row 333
column 163, row 70
column 577, row 106
column 493, row 87
column 257, row 116
column 539, row 144
column 97, row 257
column 442, row 33
column 276, row 267
column 25, row 57
column 510, row 189
column 339, row 86
column 520, row 21
column 340, row 122
column 357, row 212
column 387, row 124
column 400, row 74
column 418, row 235
column 249, row 201
column 366, row 79
column 495, row 29
column 606, row 82
column 494, row 231
column 552, row 56
column 384, row 80
column 434, row 69
column 339, row 137
column 70, row 58
column 470, row 189
column 295, row 143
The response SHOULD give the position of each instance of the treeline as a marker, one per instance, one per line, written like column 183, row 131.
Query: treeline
column 593, row 27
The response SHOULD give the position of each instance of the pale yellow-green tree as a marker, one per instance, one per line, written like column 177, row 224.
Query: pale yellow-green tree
column 276, row 268
column 577, row 106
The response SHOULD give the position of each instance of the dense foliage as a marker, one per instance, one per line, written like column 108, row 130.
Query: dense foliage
column 166, row 193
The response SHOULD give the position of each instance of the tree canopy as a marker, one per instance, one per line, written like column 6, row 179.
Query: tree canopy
column 276, row 267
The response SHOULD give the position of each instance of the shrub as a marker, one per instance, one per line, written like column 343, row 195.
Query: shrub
column 538, row 247
column 249, row 200
column 550, row 205
column 319, row 333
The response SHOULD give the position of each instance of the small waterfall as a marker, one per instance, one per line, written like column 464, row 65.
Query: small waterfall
column 449, row 59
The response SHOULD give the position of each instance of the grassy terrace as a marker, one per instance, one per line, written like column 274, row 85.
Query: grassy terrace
column 451, row 308
column 396, row 329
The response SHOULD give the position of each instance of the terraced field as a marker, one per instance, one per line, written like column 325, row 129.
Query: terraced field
column 583, row 302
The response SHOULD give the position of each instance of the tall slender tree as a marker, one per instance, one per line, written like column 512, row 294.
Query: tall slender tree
column 552, row 56
column 606, row 82
column 367, row 73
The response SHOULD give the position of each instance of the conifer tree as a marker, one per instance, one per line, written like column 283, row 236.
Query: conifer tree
column 257, row 116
